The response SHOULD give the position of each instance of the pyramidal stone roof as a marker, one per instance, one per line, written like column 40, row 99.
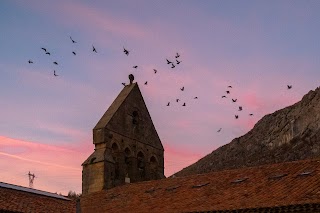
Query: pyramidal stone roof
column 115, row 106
column 118, row 118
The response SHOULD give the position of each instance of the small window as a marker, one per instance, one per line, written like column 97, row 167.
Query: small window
column 115, row 147
column 92, row 160
column 135, row 114
column 135, row 117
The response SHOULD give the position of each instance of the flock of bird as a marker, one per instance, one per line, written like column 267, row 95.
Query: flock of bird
column 172, row 63
column 55, row 62
column 240, row 108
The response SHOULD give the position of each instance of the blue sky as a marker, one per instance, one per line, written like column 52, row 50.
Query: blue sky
column 258, row 47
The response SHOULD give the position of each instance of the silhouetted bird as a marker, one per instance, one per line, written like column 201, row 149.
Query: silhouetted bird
column 177, row 56
column 74, row 53
column 145, row 83
column 55, row 63
column 228, row 92
column 168, row 62
column 219, row 130
column 240, row 108
column 124, row 84
column 47, row 53
column 182, row 88
column 131, row 78
column 172, row 65
column 44, row 49
column 168, row 104
column 177, row 100
column 30, row 62
column 155, row 71
column 223, row 96
column 135, row 67
column 184, row 104
column 125, row 51
column 251, row 114
column 229, row 86
column 54, row 73
column 236, row 116
column 289, row 86
column 195, row 97
column 178, row 62
column 94, row 49
column 73, row 41
column 234, row 100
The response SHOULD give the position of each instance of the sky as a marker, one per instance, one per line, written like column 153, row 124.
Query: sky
column 257, row 47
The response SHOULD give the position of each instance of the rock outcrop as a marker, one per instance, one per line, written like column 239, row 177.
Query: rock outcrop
column 289, row 134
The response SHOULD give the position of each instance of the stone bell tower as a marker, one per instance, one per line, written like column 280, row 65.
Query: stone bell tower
column 127, row 146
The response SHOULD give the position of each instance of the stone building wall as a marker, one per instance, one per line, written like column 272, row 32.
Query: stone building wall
column 126, row 145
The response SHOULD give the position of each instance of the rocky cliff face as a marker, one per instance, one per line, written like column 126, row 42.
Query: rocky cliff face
column 289, row 134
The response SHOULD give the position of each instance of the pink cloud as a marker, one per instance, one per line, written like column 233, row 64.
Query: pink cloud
column 178, row 158
column 54, row 166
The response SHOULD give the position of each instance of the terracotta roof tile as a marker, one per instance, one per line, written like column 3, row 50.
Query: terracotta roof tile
column 14, row 200
column 246, row 188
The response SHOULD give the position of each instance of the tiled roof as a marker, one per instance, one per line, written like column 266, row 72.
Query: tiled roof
column 287, row 185
column 21, row 199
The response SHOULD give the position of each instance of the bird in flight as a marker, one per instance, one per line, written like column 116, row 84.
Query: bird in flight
column 234, row 100
column 55, row 63
column 219, row 130
column 177, row 100
column 168, row 62
column 223, row 96
column 228, row 92
column 145, row 83
column 135, row 67
column 289, row 86
column 155, row 71
column 236, row 116
column 168, row 104
column 172, row 65
column 178, row 62
column 251, row 114
column 44, row 49
column 47, row 53
column 229, row 86
column 240, row 108
column 30, row 62
column 126, row 51
column 74, row 53
column 73, row 41
column 195, row 97
column 54, row 73
column 94, row 49
column 182, row 88
column 177, row 56
column 184, row 104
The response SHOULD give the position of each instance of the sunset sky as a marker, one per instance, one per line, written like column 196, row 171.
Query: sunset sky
column 257, row 47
